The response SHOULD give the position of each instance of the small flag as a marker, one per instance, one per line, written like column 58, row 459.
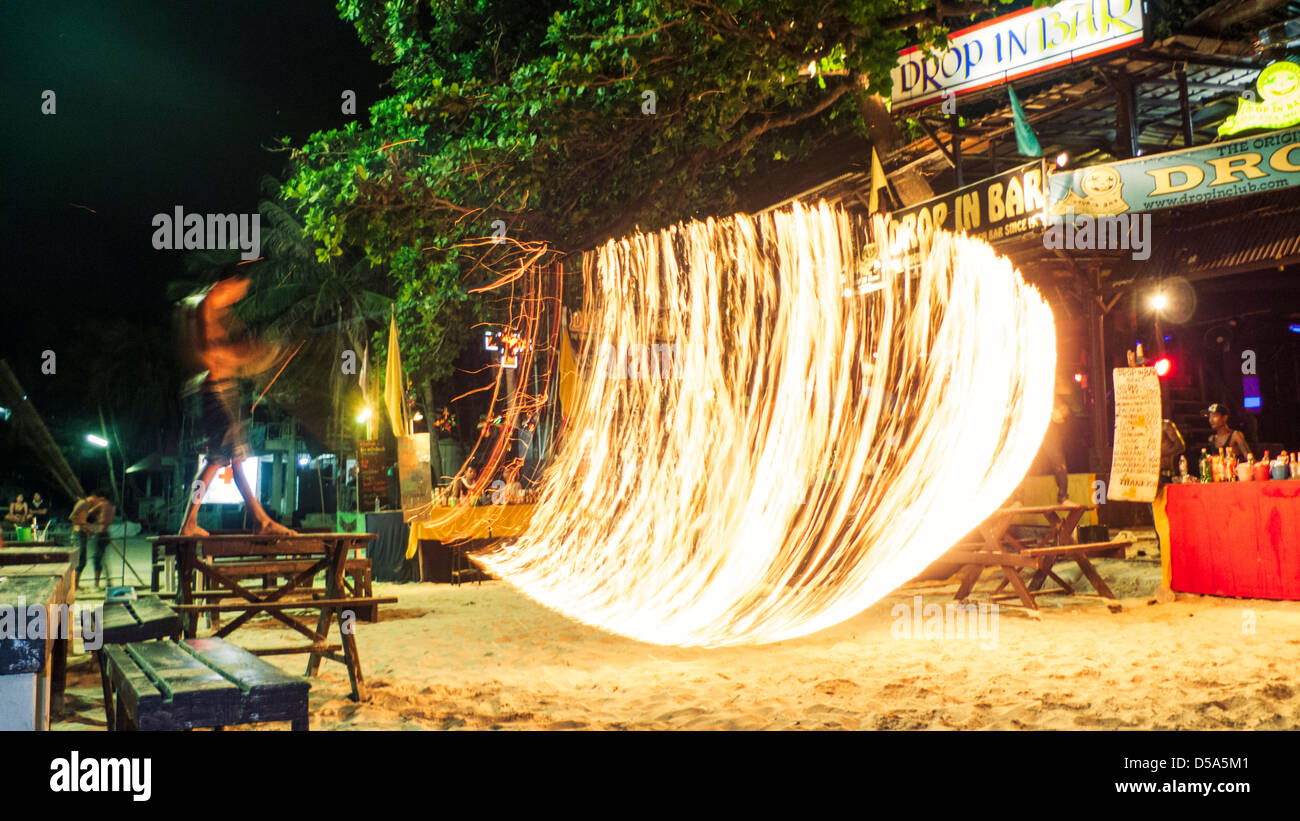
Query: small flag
column 394, row 388
column 878, row 181
column 1026, row 139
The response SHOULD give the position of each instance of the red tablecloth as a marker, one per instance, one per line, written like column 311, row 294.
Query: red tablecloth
column 1235, row 538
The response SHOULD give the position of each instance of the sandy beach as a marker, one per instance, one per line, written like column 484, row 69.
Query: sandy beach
column 482, row 656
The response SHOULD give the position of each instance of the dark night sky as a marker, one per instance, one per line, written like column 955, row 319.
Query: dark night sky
column 158, row 104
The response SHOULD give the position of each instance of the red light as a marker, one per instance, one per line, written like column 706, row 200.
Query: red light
column 1162, row 366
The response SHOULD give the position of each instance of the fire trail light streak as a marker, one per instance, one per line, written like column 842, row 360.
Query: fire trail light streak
column 817, row 450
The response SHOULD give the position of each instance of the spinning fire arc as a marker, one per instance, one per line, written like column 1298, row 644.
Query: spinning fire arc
column 811, row 443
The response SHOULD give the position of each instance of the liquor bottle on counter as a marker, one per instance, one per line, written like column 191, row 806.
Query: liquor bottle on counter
column 1183, row 476
column 1263, row 469
column 1207, row 470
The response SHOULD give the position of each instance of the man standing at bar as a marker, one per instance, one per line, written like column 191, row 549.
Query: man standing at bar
column 1223, row 436
column 218, row 346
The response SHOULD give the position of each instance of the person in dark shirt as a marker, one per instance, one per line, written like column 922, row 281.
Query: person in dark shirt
column 1223, row 436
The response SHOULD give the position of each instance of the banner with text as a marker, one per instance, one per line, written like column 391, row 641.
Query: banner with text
column 1210, row 172
column 1015, row 45
column 998, row 208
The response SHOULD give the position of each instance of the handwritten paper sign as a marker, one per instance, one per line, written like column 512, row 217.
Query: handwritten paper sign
column 1135, row 460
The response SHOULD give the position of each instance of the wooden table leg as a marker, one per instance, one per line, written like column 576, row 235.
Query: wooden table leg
column 970, row 575
column 347, row 630
column 1018, row 584
column 186, row 554
column 110, row 720
column 322, row 629
column 1098, row 584
column 1070, row 527
column 59, row 673
column 333, row 590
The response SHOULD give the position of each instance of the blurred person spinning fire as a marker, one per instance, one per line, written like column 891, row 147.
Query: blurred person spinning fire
column 219, row 346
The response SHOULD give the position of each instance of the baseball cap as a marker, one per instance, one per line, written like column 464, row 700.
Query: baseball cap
column 1217, row 408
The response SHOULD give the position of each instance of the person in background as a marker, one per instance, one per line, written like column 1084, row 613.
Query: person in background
column 1053, row 449
column 38, row 509
column 463, row 485
column 92, row 516
column 19, row 513
column 1223, row 436
column 1172, row 446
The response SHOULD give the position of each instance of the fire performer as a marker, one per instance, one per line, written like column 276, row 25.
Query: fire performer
column 218, row 345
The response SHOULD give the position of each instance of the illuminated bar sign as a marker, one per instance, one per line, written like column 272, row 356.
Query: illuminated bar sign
column 1279, row 88
column 1001, row 207
column 1016, row 45
column 1210, row 172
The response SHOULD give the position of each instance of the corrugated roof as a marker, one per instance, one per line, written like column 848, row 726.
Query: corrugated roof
column 1261, row 231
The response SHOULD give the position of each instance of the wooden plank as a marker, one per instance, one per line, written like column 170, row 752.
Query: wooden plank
column 152, row 608
column 320, row 648
column 1087, row 549
column 139, row 620
column 255, row 545
column 989, row 558
column 267, row 693
column 337, row 604
column 131, row 686
column 1042, row 509
column 195, row 695
column 241, row 667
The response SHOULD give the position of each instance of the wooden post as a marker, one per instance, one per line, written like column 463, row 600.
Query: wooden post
column 1180, row 72
column 954, row 128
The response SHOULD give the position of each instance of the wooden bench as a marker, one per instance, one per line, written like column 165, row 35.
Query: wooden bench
column 138, row 620
column 168, row 685
column 126, row 622
column 1042, row 559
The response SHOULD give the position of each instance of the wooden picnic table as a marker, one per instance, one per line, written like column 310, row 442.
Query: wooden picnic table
column 997, row 547
column 211, row 560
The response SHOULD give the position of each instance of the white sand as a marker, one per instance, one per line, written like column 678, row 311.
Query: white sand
column 485, row 657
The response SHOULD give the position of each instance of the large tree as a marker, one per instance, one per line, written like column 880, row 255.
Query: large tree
column 566, row 122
